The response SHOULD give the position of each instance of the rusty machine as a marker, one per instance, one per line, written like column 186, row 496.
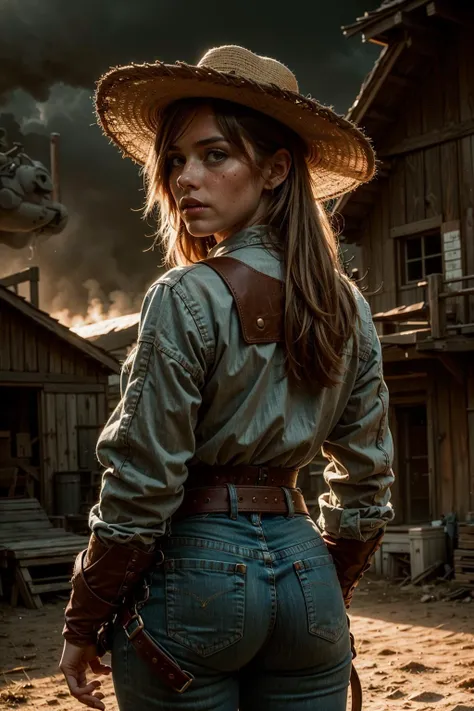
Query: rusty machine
column 30, row 207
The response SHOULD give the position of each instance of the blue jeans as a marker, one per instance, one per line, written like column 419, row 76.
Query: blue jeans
column 253, row 609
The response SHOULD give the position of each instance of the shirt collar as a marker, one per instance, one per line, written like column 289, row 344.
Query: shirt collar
column 256, row 235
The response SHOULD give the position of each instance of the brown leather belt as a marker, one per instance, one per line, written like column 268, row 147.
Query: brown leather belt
column 233, row 499
column 242, row 475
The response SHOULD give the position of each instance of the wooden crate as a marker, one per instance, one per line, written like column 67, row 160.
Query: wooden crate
column 33, row 553
column 464, row 555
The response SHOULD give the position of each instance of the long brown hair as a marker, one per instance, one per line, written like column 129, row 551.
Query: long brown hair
column 320, row 306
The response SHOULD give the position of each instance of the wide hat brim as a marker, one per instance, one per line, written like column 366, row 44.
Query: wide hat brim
column 130, row 100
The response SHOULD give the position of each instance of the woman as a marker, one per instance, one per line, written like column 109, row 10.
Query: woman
column 249, row 359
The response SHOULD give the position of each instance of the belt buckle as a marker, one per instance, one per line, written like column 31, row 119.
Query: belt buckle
column 187, row 683
column 140, row 626
column 262, row 476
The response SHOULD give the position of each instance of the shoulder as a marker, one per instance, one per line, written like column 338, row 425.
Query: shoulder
column 201, row 290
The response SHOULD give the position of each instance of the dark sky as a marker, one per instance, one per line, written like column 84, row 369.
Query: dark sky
column 52, row 52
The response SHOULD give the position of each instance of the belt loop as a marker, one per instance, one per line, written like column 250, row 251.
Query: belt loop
column 233, row 501
column 289, row 501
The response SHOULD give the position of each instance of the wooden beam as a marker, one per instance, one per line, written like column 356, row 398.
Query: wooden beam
column 437, row 311
column 402, row 313
column 376, row 80
column 445, row 11
column 433, row 138
column 8, row 377
column 74, row 387
column 447, row 345
column 393, row 22
column 413, row 228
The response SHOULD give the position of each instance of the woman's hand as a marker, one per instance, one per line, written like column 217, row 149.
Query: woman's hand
column 73, row 664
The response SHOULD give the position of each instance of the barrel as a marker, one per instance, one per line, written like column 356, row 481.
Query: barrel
column 68, row 493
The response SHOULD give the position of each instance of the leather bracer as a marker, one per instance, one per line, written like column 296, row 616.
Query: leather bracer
column 103, row 577
column 352, row 559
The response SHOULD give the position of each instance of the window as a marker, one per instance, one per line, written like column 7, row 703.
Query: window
column 421, row 255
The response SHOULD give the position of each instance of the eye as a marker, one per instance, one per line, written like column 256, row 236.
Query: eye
column 215, row 155
column 175, row 161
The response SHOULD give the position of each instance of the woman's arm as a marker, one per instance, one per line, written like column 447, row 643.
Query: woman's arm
column 150, row 437
column 357, row 507
column 145, row 446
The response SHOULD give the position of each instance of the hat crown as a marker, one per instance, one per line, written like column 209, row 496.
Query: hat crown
column 232, row 59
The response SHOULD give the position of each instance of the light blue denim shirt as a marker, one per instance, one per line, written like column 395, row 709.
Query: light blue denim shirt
column 193, row 390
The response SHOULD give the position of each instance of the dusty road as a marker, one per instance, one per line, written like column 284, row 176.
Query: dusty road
column 412, row 655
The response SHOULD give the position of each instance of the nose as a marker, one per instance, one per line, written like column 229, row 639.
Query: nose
column 190, row 176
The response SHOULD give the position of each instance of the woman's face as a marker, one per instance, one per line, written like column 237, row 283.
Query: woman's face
column 215, row 190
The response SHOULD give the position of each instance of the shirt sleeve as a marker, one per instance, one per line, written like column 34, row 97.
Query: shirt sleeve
column 149, row 438
column 360, row 451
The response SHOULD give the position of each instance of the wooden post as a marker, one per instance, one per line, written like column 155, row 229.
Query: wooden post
column 437, row 309
column 34, row 286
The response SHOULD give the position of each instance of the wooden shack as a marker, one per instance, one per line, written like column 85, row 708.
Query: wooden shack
column 414, row 226
column 53, row 392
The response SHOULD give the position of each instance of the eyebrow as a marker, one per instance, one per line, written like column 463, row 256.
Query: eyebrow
column 204, row 142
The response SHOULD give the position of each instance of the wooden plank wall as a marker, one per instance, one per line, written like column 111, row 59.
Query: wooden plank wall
column 452, row 440
column 62, row 413
column 450, row 409
column 470, row 427
column 26, row 348
column 438, row 180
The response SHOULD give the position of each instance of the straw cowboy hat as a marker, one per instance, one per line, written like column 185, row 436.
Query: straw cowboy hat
column 130, row 101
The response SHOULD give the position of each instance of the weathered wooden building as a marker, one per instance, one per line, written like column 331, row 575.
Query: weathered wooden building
column 53, row 391
column 414, row 225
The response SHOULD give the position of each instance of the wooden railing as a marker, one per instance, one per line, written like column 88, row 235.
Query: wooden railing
column 437, row 297
column 433, row 312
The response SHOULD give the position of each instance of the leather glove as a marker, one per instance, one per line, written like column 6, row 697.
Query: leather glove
column 352, row 559
column 103, row 576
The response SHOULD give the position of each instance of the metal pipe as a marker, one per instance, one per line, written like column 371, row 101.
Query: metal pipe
column 54, row 160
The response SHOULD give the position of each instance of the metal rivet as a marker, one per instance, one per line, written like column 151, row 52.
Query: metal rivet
column 276, row 499
column 170, row 676
column 266, row 499
column 155, row 660
column 208, row 501
column 260, row 323
column 254, row 499
column 241, row 498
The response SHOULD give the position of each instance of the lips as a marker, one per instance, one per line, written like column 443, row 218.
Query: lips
column 191, row 205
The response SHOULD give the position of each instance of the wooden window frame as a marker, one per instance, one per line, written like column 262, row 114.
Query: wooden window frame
column 404, row 261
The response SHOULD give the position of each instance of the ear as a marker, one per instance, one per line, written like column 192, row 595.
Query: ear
column 277, row 169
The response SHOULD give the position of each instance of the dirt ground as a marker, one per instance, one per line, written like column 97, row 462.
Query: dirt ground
column 412, row 654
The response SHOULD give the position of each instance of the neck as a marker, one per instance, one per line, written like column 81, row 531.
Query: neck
column 257, row 219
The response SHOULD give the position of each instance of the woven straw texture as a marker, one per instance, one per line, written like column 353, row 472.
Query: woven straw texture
column 130, row 100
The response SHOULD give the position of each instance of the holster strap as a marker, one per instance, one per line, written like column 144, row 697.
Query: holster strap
column 356, row 691
column 148, row 649
column 201, row 475
column 250, row 499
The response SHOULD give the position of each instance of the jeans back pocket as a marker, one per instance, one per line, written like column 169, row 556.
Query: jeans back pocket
column 323, row 598
column 205, row 603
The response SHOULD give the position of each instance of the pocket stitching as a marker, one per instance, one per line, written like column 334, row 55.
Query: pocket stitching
column 301, row 568
column 237, row 572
